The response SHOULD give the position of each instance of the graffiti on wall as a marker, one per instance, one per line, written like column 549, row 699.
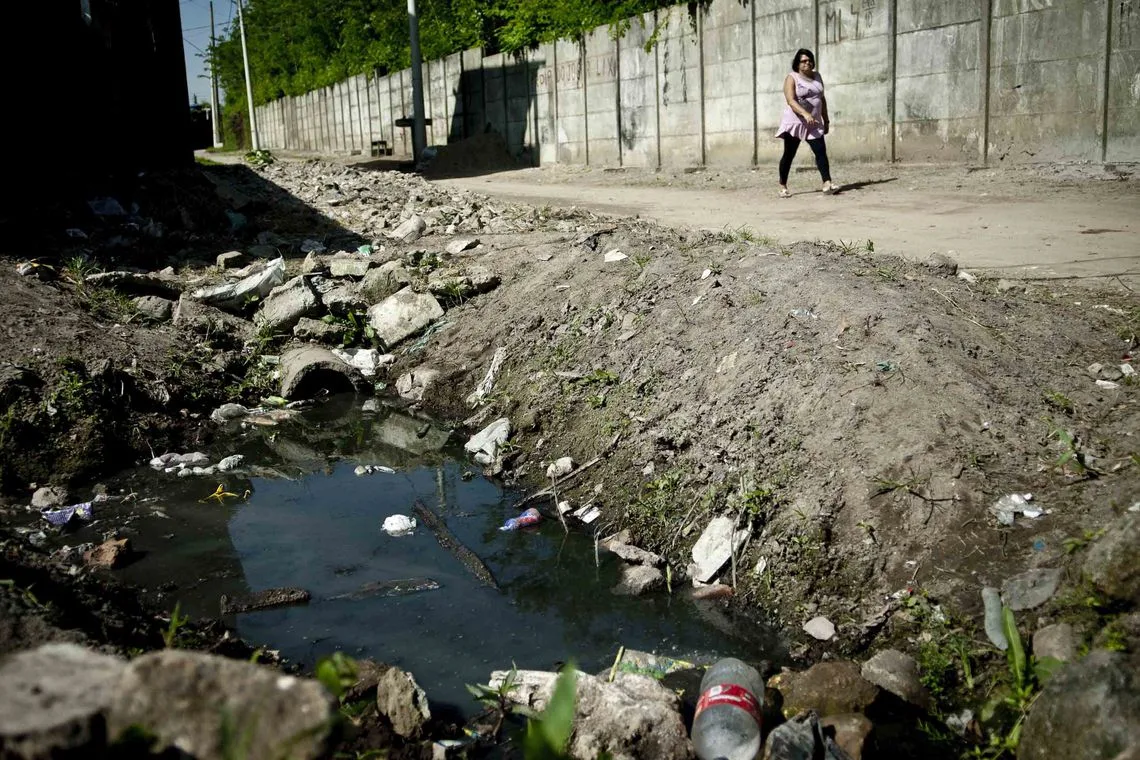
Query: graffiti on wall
column 602, row 67
column 1126, row 23
column 567, row 75
column 843, row 21
column 1014, row 7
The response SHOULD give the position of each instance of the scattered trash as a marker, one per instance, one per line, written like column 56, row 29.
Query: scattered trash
column 235, row 295
column 269, row 417
column 963, row 275
column 368, row 469
column 886, row 366
column 1127, row 370
column 171, row 462
column 560, row 467
column 485, row 387
column 706, row 274
column 530, row 517
column 715, row 547
column 221, row 494
column 614, row 255
column 646, row 664
column 1015, row 503
column 800, row 739
column 35, row 269
column 995, row 631
column 399, row 525
column 587, row 513
column 960, row 723
column 64, row 515
column 275, row 402
column 364, row 250
column 1107, row 384
column 820, row 628
column 727, row 720
column 802, row 314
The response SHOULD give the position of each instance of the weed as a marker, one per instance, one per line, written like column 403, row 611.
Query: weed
column 259, row 158
column 760, row 502
column 1076, row 543
column 497, row 699
column 596, row 400
column 642, row 260
column 1058, row 401
column 846, row 248
column 599, row 377
column 741, row 234
column 890, row 274
column 357, row 330
column 1071, row 457
column 337, row 673
column 77, row 268
column 869, row 246
column 548, row 734
column 177, row 621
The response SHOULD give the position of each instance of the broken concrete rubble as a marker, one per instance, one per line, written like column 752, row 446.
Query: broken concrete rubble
column 310, row 369
column 285, row 305
column 402, row 315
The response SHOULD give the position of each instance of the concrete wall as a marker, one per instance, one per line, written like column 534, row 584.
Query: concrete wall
column 964, row 81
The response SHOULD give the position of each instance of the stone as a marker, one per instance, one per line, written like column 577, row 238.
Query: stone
column 368, row 674
column 230, row 463
column 1010, row 286
column 349, row 265
column 383, row 281
column 560, row 467
column 715, row 547
column 413, row 385
column 310, row 369
column 402, row 315
column 459, row 245
column 633, row 717
column 1058, row 641
column 410, row 230
column 401, row 700
column 1030, row 589
column 1089, row 709
column 820, row 628
column 190, row 700
column 897, row 673
column 232, row 260
column 639, row 579
column 485, row 444
column 154, row 308
column 208, row 320
column 942, row 264
column 852, row 732
column 110, row 555
column 1113, row 563
column 313, row 263
column 50, row 496
column 54, row 701
column 318, row 331
column 634, row 554
column 227, row 412
column 283, row 308
column 343, row 300
column 464, row 283
column 831, row 688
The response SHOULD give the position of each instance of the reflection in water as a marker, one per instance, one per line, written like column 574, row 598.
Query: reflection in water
column 311, row 522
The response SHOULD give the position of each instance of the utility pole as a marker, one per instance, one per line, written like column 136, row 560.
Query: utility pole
column 248, row 86
column 214, row 123
column 419, row 129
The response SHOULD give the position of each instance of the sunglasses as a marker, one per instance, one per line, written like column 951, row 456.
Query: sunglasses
column 806, row 60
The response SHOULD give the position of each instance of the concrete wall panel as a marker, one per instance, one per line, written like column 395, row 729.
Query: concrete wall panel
column 495, row 94
column 679, row 88
column 601, row 78
column 569, row 77
column 638, row 116
column 729, row 115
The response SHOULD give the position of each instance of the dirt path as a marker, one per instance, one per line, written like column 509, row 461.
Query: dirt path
column 1016, row 223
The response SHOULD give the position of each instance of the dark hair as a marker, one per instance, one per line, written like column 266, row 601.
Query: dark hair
column 800, row 54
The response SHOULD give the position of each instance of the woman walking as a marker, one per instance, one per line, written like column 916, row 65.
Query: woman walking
column 804, row 118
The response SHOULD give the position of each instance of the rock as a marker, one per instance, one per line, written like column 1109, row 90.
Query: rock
column 942, row 264
column 313, row 263
column 639, row 579
column 1010, row 286
column 49, row 497
column 410, row 230
column 633, row 554
column 262, row 278
column 852, row 731
column 1112, row 562
column 318, row 330
column 633, row 717
column 401, row 700
column 715, row 546
column 1089, row 709
column 310, row 369
column 349, row 265
column 967, row 276
column 190, row 701
column 232, row 260
column 110, row 555
column 402, row 315
column 368, row 673
column 485, row 444
column 459, row 245
column 265, row 251
column 1058, row 641
column 208, row 320
column 154, row 308
column 344, row 300
column 383, row 281
column 832, row 688
column 820, row 628
column 285, row 305
column 560, row 467
column 230, row 463
column 413, row 385
column 613, row 256
column 451, row 283
column 54, row 701
column 801, row 739
column 227, row 412
column 897, row 673
column 286, row 596
column 1030, row 589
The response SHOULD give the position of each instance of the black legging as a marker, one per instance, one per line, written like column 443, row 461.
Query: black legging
column 818, row 147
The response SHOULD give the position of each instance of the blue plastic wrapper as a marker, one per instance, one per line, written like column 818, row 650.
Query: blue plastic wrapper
column 64, row 516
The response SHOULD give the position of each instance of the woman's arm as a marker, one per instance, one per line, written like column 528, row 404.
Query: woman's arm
column 823, row 106
column 790, row 96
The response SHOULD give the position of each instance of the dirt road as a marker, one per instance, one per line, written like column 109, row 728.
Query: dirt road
column 1021, row 223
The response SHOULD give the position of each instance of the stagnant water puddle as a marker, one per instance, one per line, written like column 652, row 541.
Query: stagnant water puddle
column 310, row 521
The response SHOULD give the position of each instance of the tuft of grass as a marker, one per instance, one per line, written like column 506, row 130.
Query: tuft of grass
column 177, row 622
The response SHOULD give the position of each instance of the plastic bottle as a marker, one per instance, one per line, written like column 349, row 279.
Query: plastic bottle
column 529, row 517
column 727, row 722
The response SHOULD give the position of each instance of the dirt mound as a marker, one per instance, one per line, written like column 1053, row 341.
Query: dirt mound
column 481, row 154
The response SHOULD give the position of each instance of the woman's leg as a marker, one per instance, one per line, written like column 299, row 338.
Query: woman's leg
column 819, row 148
column 791, row 145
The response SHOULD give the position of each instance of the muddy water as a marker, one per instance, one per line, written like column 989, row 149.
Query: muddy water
column 309, row 521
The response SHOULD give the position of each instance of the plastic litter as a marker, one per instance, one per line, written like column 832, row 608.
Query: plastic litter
column 802, row 314
column 368, row 469
column 233, row 296
column 64, row 515
column 727, row 721
column 614, row 255
column 991, row 600
column 1005, row 508
column 399, row 525
column 530, row 517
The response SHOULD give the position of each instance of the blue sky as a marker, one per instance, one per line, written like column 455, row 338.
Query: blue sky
column 196, row 39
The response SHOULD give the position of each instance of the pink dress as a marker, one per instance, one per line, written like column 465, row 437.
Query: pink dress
column 809, row 94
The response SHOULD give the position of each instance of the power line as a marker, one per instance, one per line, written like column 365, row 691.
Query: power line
column 200, row 28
